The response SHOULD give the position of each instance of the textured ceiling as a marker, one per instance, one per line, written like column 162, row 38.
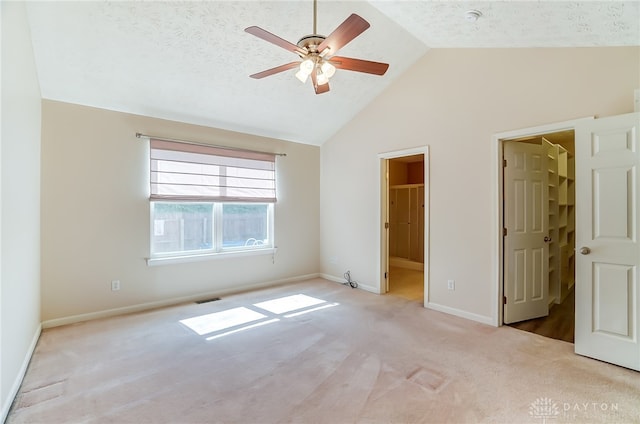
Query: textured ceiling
column 190, row 61
column 518, row 23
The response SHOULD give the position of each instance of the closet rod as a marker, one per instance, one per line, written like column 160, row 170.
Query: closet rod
column 140, row 135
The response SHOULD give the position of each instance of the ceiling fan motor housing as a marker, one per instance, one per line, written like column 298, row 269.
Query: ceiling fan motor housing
column 311, row 42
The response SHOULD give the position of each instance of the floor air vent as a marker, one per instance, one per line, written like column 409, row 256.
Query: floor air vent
column 213, row 299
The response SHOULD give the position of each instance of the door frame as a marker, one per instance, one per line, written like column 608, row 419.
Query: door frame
column 498, row 195
column 383, row 246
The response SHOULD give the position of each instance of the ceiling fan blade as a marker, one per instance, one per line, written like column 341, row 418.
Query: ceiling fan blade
column 353, row 26
column 274, row 39
column 275, row 70
column 359, row 65
column 319, row 89
column 322, row 88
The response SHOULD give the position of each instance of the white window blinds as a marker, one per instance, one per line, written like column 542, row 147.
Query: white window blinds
column 193, row 172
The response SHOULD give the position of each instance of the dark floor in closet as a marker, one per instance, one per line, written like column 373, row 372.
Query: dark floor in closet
column 559, row 325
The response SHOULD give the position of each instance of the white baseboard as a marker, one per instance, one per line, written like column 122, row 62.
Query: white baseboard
column 13, row 392
column 341, row 280
column 168, row 302
column 460, row 313
column 436, row 307
column 332, row 278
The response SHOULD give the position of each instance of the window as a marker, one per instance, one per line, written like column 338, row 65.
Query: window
column 208, row 200
column 245, row 225
column 196, row 228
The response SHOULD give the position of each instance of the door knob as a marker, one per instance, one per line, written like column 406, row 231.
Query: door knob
column 547, row 239
column 585, row 250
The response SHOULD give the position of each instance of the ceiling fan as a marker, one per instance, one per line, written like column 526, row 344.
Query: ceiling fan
column 317, row 53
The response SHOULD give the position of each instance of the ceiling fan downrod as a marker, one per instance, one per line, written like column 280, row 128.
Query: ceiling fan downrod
column 315, row 16
column 311, row 42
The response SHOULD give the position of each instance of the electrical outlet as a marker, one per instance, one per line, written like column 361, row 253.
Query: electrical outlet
column 115, row 285
column 451, row 284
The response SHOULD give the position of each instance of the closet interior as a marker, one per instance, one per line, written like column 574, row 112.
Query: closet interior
column 558, row 150
column 562, row 219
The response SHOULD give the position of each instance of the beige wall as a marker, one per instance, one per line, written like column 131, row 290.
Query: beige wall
column 454, row 100
column 95, row 215
column 20, row 203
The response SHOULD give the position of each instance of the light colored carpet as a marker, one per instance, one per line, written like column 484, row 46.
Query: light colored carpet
column 353, row 357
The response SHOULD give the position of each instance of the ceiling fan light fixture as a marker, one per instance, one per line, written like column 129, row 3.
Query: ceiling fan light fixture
column 322, row 78
column 328, row 69
column 302, row 76
column 307, row 66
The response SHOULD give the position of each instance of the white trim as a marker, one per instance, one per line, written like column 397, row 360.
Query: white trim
column 335, row 279
column 13, row 392
column 460, row 313
column 168, row 260
column 405, row 152
column 382, row 199
column 542, row 129
column 332, row 278
column 497, row 200
column 368, row 288
column 168, row 302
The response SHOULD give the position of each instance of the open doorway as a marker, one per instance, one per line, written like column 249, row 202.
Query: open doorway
column 404, row 238
column 538, row 205
column 406, row 205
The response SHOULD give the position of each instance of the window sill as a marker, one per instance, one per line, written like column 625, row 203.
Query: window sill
column 168, row 260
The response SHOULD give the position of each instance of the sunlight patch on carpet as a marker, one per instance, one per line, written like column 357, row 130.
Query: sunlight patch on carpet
column 295, row 314
column 218, row 321
column 289, row 303
column 246, row 327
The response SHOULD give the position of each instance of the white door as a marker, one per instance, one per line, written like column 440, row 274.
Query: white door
column 608, row 256
column 526, row 216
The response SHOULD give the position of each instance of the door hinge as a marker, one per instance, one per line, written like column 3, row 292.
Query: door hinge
column 504, row 163
column 385, row 275
column 386, row 225
column 504, row 232
column 504, row 300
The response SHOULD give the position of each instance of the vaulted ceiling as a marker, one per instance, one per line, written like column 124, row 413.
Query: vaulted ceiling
column 191, row 61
